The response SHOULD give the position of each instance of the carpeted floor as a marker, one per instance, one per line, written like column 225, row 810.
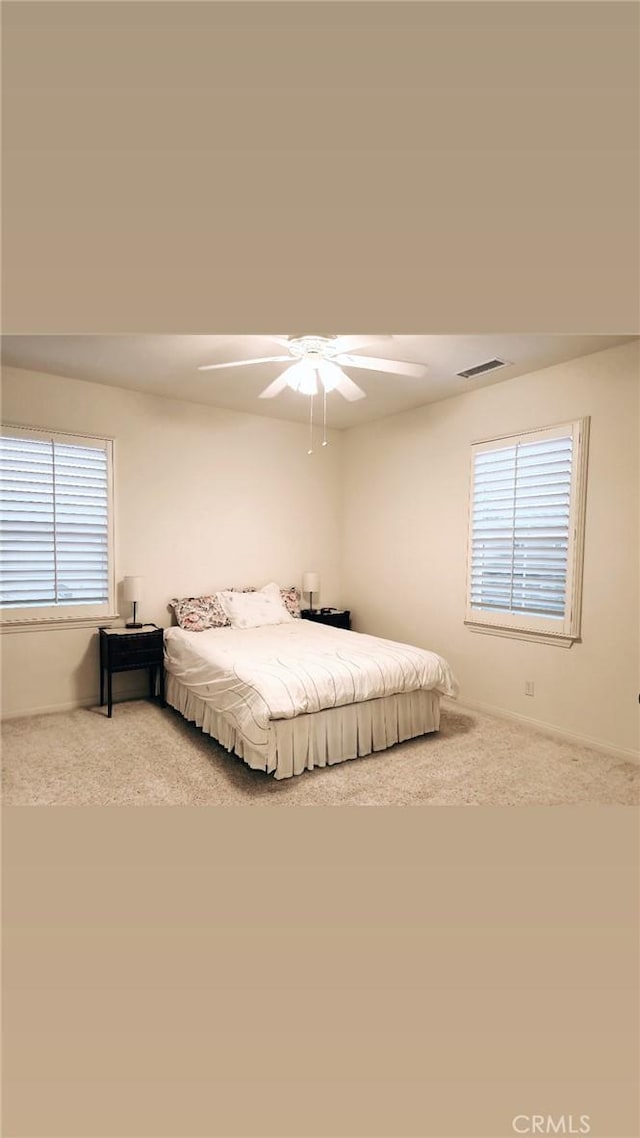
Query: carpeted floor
column 146, row 755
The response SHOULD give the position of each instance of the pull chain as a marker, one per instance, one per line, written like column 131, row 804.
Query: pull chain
column 324, row 416
column 310, row 451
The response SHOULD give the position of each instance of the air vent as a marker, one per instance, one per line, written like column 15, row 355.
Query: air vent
column 482, row 369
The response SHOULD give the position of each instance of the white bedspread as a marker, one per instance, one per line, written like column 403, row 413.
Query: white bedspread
column 253, row 676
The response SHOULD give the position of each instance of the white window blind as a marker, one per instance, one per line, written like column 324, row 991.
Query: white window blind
column 526, row 521
column 55, row 525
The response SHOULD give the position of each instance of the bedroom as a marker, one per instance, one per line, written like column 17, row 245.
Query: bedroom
column 215, row 489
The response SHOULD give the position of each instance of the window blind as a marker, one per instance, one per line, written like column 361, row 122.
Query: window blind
column 54, row 524
column 520, row 528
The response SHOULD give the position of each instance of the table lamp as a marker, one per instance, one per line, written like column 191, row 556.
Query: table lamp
column 132, row 593
column 310, row 585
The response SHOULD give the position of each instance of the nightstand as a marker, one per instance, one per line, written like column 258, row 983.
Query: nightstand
column 124, row 650
column 339, row 618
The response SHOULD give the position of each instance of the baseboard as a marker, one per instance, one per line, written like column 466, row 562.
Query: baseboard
column 72, row 705
column 542, row 727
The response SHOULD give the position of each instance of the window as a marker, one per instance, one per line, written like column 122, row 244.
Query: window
column 526, row 527
column 56, row 494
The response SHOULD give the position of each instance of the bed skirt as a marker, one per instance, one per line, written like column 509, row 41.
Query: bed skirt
column 320, row 739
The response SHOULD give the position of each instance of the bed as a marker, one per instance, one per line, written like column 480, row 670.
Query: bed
column 298, row 695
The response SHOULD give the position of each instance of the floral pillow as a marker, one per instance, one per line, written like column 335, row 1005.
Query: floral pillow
column 199, row 613
column 291, row 600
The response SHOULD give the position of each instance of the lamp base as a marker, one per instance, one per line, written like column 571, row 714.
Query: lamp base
column 133, row 623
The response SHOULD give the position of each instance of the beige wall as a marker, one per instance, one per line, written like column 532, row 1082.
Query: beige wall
column 205, row 499
column 405, row 536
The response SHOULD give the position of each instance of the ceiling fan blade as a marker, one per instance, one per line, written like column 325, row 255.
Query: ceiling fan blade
column 395, row 367
column 347, row 387
column 275, row 388
column 244, row 363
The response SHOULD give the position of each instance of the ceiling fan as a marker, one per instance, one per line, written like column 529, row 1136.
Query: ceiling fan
column 316, row 363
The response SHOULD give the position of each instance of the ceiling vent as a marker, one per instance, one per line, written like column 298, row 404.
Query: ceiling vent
column 482, row 369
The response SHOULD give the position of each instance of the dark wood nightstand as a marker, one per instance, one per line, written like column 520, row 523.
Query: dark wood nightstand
column 124, row 650
column 339, row 618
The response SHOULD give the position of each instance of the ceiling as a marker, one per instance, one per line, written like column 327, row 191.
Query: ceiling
column 167, row 365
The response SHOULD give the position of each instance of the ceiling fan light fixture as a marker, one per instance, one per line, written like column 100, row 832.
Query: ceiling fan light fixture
column 308, row 384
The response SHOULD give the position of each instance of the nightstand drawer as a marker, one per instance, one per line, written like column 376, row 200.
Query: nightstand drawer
column 130, row 649
column 134, row 656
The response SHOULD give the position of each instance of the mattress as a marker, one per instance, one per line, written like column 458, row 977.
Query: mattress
column 247, row 683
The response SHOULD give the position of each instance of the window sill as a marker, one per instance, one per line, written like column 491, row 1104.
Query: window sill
column 560, row 640
column 56, row 624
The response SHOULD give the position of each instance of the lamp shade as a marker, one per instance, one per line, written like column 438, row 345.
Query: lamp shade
column 133, row 589
column 310, row 582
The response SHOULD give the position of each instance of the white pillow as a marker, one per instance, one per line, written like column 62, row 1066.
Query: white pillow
column 252, row 610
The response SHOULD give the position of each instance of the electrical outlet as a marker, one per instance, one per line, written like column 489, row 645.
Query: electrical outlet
column 529, row 687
